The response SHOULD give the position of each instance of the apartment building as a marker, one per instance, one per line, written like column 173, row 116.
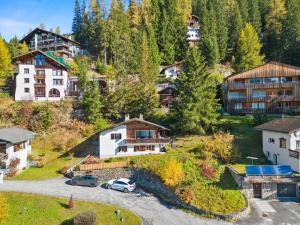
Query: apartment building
column 40, row 76
column 47, row 41
column 270, row 88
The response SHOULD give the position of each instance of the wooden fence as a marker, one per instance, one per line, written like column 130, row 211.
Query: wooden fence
column 100, row 166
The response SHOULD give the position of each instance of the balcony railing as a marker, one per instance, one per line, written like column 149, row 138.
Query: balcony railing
column 150, row 141
column 294, row 153
column 264, row 99
column 40, row 85
column 236, row 85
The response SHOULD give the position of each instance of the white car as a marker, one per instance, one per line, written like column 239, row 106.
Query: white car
column 121, row 184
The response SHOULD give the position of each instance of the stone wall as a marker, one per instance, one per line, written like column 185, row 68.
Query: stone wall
column 154, row 185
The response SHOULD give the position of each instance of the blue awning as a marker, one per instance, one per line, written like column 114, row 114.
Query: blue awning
column 269, row 170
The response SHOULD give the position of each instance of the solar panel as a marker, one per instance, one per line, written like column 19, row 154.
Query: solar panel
column 269, row 170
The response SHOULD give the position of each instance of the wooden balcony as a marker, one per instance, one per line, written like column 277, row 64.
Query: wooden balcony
column 39, row 76
column 269, row 98
column 240, row 86
column 40, row 85
column 294, row 153
column 148, row 141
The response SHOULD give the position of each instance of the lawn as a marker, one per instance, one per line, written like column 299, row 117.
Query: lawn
column 31, row 209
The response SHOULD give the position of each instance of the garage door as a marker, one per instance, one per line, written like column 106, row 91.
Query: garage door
column 286, row 190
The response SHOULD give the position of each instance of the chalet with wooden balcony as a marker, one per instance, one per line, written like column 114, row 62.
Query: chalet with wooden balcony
column 270, row 88
column 15, row 144
column 132, row 137
column 43, row 40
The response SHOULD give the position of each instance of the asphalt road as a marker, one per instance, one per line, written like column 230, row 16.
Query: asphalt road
column 145, row 205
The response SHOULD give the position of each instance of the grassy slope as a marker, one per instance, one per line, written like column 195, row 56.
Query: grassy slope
column 37, row 209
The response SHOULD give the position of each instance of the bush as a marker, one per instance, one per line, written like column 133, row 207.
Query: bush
column 207, row 171
column 187, row 195
column 86, row 218
column 172, row 172
column 3, row 208
column 12, row 168
column 42, row 118
column 260, row 118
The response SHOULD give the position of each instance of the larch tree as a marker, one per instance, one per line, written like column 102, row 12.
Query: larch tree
column 248, row 53
column 5, row 63
column 195, row 110
column 14, row 47
column 57, row 30
column 23, row 48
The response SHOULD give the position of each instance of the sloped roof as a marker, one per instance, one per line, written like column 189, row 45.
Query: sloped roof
column 47, row 54
column 133, row 120
column 284, row 125
column 15, row 135
column 45, row 31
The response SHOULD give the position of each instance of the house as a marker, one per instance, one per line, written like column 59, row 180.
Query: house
column 167, row 94
column 270, row 88
column 40, row 76
column 193, row 33
column 40, row 39
column 15, row 143
column 281, row 141
column 171, row 71
column 132, row 137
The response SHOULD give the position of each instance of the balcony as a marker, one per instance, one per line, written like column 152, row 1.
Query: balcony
column 148, row 141
column 268, row 98
column 40, row 85
column 3, row 157
column 238, row 86
column 39, row 76
column 294, row 153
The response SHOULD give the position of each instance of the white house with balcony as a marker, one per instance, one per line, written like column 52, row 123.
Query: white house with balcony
column 132, row 137
column 15, row 144
column 281, row 141
column 40, row 77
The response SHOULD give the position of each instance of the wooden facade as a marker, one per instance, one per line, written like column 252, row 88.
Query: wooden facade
column 270, row 88
column 134, row 126
column 167, row 96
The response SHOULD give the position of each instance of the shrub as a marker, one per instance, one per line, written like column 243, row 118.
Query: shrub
column 187, row 195
column 26, row 112
column 3, row 208
column 86, row 218
column 260, row 118
column 12, row 168
column 207, row 170
column 40, row 162
column 42, row 118
column 172, row 172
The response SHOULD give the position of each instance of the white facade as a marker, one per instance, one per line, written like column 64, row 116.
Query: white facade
column 171, row 73
column 26, row 82
column 193, row 34
column 109, row 147
column 22, row 154
column 281, row 154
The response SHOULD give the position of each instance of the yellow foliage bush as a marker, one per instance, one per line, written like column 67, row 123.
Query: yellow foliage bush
column 3, row 208
column 172, row 172
column 187, row 195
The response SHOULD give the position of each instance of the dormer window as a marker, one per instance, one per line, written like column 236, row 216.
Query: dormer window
column 39, row 60
column 282, row 142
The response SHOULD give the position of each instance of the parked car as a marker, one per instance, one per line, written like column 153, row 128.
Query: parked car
column 85, row 180
column 121, row 184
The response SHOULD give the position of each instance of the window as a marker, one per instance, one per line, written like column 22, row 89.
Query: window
column 255, row 81
column 144, row 134
column 268, row 155
column 234, row 94
column 122, row 149
column 116, row 136
column 39, row 60
column 26, row 80
column 57, row 73
column 288, row 92
column 238, row 106
column 143, row 148
column 40, row 72
column 258, row 93
column 26, row 90
column 26, row 71
column 282, row 142
column 286, row 79
column 297, row 144
column 58, row 82
column 273, row 80
column 271, row 140
column 280, row 93
column 259, row 105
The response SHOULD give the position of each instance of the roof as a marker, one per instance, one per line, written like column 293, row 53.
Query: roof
column 49, row 55
column 15, row 135
column 268, row 63
column 45, row 31
column 165, row 67
column 133, row 120
column 284, row 125
column 269, row 170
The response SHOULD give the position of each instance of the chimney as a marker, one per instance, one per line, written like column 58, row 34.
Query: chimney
column 141, row 117
column 127, row 117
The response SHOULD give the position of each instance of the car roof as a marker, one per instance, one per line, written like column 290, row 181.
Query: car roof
column 124, row 180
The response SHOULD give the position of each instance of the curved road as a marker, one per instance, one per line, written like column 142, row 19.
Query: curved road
column 147, row 206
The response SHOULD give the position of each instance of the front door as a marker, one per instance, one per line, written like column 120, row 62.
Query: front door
column 257, row 190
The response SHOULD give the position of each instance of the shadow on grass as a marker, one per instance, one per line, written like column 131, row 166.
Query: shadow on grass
column 68, row 222
column 64, row 205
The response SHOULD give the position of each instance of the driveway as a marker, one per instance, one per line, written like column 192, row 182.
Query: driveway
column 274, row 212
column 147, row 206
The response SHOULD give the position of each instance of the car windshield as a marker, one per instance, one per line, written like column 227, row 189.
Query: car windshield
column 131, row 182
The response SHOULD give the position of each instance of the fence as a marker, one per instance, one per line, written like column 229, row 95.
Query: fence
column 100, row 166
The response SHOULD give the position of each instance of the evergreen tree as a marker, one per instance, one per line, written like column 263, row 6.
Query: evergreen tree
column 42, row 26
column 196, row 109
column 243, row 7
column 57, row 30
column 133, row 16
column 77, row 19
column 5, row 62
column 248, row 50
column 255, row 15
column 51, row 30
column 235, row 27
column 14, row 47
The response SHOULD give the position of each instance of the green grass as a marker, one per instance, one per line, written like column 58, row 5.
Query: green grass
column 31, row 209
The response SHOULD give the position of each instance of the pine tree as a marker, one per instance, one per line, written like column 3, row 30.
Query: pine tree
column 196, row 109
column 51, row 30
column 243, row 7
column 255, row 15
column 133, row 16
column 248, row 50
column 57, row 30
column 42, row 26
column 14, row 47
column 5, row 62
column 235, row 27
column 77, row 19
